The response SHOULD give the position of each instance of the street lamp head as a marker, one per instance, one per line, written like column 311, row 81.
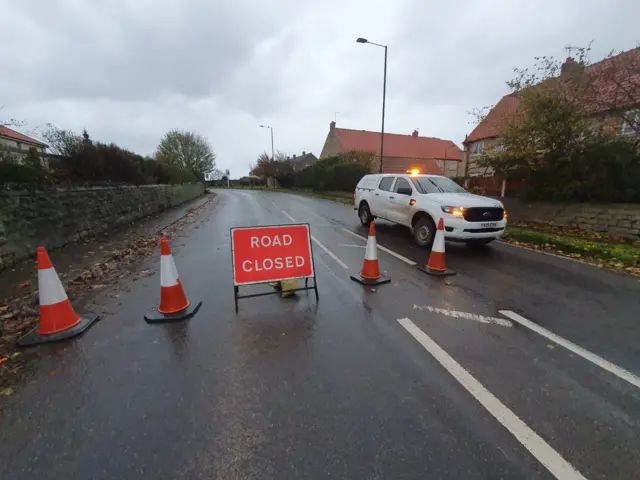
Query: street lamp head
column 361, row 40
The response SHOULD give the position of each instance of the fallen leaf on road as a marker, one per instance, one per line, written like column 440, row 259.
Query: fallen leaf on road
column 24, row 284
column 98, row 286
column 52, row 373
column 4, row 308
column 4, row 359
column 5, row 392
column 551, row 346
column 15, row 354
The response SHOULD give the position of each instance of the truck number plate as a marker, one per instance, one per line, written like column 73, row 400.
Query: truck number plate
column 488, row 225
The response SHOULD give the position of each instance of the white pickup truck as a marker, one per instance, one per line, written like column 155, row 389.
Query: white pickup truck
column 419, row 201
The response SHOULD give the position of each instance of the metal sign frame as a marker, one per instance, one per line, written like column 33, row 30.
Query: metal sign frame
column 236, row 285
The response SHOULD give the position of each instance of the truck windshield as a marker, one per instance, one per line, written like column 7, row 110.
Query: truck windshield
column 437, row 185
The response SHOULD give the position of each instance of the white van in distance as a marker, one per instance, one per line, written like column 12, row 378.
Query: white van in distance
column 419, row 201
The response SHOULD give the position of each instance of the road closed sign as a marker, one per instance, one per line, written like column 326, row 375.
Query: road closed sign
column 271, row 253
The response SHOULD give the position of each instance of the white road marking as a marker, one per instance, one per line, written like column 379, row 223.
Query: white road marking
column 540, row 449
column 330, row 253
column 384, row 249
column 352, row 246
column 578, row 350
column 468, row 316
column 326, row 250
column 288, row 216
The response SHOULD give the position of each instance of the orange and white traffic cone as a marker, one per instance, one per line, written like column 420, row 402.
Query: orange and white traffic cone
column 173, row 302
column 58, row 319
column 437, row 265
column 370, row 274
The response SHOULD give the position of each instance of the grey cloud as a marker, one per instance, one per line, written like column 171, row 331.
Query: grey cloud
column 129, row 70
column 113, row 50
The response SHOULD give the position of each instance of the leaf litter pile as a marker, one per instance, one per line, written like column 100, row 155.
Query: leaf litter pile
column 613, row 253
column 19, row 312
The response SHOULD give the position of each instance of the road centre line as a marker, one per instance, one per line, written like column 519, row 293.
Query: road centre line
column 578, row 350
column 326, row 250
column 384, row 249
column 468, row 316
column 540, row 449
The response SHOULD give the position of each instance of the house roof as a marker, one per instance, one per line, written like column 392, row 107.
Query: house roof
column 19, row 137
column 490, row 125
column 617, row 85
column 303, row 161
column 396, row 145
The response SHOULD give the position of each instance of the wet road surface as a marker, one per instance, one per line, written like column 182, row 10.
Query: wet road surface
column 291, row 388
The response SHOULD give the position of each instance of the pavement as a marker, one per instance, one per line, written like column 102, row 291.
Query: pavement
column 523, row 365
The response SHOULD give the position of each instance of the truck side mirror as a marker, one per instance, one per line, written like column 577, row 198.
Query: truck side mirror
column 404, row 191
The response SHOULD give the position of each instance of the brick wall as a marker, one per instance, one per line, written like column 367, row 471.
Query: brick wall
column 57, row 217
column 612, row 219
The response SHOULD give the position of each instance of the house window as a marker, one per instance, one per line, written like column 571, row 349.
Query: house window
column 631, row 122
column 477, row 148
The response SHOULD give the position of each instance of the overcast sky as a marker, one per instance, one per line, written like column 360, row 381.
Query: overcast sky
column 129, row 70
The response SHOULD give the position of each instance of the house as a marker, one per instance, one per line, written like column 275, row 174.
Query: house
column 19, row 144
column 401, row 152
column 300, row 162
column 614, row 98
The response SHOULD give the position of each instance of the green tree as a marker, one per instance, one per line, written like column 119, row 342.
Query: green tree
column 187, row 150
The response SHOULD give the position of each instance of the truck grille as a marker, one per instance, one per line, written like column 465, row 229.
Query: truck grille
column 483, row 214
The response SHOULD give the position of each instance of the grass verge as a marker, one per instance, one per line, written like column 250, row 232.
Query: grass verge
column 616, row 256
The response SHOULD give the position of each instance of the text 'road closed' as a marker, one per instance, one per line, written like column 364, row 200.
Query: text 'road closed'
column 267, row 254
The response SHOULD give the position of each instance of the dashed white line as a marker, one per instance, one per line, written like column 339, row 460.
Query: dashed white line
column 330, row 253
column 384, row 249
column 540, row 449
column 325, row 249
column 578, row 350
column 469, row 316
column 287, row 215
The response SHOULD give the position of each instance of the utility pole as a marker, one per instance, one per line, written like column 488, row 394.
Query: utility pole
column 384, row 94
column 273, row 157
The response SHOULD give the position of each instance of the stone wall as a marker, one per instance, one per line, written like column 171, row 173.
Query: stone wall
column 621, row 220
column 60, row 216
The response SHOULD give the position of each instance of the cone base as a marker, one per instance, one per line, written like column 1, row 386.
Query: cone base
column 437, row 273
column 34, row 338
column 370, row 281
column 154, row 316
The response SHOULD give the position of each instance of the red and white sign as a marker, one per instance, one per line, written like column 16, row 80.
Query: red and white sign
column 272, row 253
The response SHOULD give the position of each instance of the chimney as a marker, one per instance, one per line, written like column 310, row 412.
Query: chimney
column 332, row 126
column 415, row 133
column 570, row 66
column 303, row 153
column 294, row 155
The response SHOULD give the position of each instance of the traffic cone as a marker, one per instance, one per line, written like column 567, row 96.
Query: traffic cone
column 58, row 319
column 370, row 274
column 437, row 265
column 173, row 302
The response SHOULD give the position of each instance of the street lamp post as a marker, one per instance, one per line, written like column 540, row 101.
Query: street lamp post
column 272, row 151
column 384, row 94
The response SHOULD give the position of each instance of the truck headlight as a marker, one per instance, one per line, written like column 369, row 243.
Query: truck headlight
column 455, row 211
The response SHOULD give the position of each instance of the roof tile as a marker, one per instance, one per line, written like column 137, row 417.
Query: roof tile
column 395, row 145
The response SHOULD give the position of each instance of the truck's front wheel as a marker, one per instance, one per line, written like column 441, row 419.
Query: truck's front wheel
column 365, row 214
column 424, row 232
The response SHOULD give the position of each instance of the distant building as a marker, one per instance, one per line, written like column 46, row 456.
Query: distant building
column 300, row 162
column 401, row 152
column 19, row 144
